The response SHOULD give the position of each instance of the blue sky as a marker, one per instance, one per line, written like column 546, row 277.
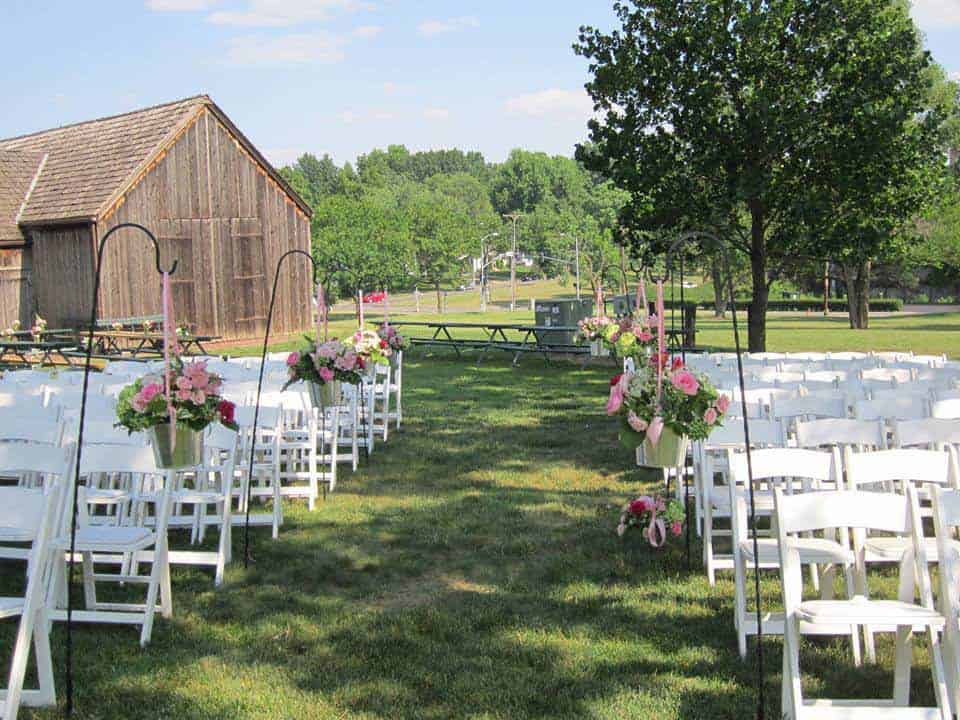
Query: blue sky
column 334, row 76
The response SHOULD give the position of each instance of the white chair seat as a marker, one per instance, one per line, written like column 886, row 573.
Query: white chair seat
column 10, row 606
column 819, row 551
column 14, row 535
column 93, row 538
column 861, row 611
column 892, row 548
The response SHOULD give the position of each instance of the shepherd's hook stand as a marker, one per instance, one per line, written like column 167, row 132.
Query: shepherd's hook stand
column 722, row 248
column 68, row 708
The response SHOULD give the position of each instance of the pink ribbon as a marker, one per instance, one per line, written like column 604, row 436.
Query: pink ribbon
column 656, row 424
column 169, row 343
column 656, row 528
column 321, row 314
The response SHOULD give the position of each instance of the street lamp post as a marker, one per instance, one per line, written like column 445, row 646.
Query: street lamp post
column 513, row 260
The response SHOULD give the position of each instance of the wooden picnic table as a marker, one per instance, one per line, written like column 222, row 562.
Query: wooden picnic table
column 534, row 338
column 119, row 342
column 24, row 350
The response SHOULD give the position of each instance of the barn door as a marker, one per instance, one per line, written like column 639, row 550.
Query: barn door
column 245, row 262
column 177, row 243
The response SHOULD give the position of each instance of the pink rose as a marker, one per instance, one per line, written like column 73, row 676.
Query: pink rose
column 138, row 403
column 149, row 392
column 710, row 416
column 292, row 359
column 199, row 397
column 329, row 350
column 184, row 395
column 643, row 335
column 723, row 403
column 326, row 374
column 685, row 382
column 214, row 388
column 676, row 528
column 184, row 383
column 636, row 422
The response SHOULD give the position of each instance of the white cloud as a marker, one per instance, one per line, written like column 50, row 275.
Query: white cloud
column 294, row 49
column 179, row 5
column 282, row 13
column 438, row 27
column 936, row 14
column 351, row 117
column 955, row 76
column 553, row 102
column 436, row 114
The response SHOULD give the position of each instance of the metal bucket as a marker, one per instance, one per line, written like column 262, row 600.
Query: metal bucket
column 598, row 349
column 187, row 452
column 669, row 452
column 324, row 395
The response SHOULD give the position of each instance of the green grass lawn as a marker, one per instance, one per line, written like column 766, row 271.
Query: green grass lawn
column 926, row 334
column 470, row 569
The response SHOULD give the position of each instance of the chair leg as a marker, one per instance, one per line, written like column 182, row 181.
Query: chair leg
column 153, row 590
column 739, row 603
column 41, row 648
column 791, row 692
column 904, row 660
column 939, row 675
column 89, row 584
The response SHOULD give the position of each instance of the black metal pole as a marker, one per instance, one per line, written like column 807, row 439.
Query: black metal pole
column 256, row 409
column 679, row 242
column 68, row 683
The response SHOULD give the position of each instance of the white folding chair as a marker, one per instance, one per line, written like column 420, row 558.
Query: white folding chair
column 396, row 389
column 946, row 409
column 128, row 545
column 265, row 481
column 946, row 520
column 860, row 511
column 797, row 471
column 931, row 433
column 907, row 407
column 34, row 516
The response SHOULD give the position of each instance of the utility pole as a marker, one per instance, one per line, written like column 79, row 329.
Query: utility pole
column 576, row 250
column 513, row 260
column 483, row 269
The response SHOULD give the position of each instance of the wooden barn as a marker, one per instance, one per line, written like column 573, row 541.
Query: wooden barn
column 184, row 171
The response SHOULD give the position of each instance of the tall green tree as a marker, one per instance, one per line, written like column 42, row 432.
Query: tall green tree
column 719, row 110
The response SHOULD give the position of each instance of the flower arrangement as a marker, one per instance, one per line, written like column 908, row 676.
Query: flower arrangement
column 655, row 516
column 183, row 330
column 13, row 329
column 592, row 328
column 39, row 327
column 370, row 346
column 148, row 326
column 117, row 326
column 395, row 341
column 662, row 393
column 332, row 360
column 195, row 396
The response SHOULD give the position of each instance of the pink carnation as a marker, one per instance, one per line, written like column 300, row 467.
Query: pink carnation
column 641, row 505
column 184, row 395
column 149, row 392
column 710, row 416
column 292, row 359
column 326, row 374
column 642, row 335
column 676, row 528
column 685, row 382
column 184, row 383
column 723, row 403
column 329, row 350
column 199, row 397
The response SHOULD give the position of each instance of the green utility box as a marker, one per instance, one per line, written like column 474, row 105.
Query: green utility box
column 561, row 313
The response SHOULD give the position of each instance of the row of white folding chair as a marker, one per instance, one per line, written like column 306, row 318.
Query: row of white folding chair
column 798, row 516
column 259, row 480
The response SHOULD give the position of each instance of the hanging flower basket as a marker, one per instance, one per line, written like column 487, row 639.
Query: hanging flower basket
column 325, row 395
column 669, row 452
column 188, row 451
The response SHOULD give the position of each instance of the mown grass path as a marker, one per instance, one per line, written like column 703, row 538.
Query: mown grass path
column 469, row 570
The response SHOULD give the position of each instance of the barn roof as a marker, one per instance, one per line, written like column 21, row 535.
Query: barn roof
column 91, row 164
column 18, row 171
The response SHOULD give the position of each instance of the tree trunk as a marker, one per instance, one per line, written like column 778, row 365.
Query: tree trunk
column 858, row 293
column 826, row 288
column 439, row 298
column 757, row 313
column 624, row 290
column 720, row 298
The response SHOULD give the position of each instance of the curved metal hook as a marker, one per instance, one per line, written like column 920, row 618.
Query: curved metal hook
column 680, row 242
column 153, row 239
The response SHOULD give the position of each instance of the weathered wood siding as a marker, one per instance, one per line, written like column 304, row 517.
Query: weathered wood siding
column 63, row 273
column 224, row 219
column 16, row 292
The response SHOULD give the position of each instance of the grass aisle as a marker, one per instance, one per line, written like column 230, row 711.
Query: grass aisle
column 470, row 570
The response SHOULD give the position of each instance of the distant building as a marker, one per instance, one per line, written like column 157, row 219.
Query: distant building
column 184, row 171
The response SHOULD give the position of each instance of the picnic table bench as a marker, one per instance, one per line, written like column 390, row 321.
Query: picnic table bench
column 533, row 338
column 110, row 343
column 25, row 351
